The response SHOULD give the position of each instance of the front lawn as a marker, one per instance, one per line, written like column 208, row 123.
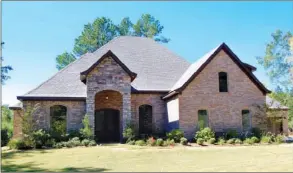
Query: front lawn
column 132, row 158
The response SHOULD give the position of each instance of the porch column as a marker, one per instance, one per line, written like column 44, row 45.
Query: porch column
column 285, row 123
column 90, row 110
column 126, row 111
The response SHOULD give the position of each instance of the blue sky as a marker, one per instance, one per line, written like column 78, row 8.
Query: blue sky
column 35, row 32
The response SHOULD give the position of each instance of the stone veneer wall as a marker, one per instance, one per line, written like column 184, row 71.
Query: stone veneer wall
column 224, row 109
column 109, row 75
column 158, row 107
column 75, row 112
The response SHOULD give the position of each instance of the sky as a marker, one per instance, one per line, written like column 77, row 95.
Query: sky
column 36, row 32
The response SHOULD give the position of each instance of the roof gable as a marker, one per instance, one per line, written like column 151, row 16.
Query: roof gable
column 84, row 74
column 199, row 65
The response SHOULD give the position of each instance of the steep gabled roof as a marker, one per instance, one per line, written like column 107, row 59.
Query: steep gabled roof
column 84, row 74
column 195, row 68
column 157, row 69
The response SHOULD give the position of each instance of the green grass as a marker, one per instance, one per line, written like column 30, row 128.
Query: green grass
column 132, row 158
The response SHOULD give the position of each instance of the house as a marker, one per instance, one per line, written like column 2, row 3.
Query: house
column 137, row 80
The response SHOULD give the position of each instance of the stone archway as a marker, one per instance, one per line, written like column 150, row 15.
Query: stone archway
column 108, row 116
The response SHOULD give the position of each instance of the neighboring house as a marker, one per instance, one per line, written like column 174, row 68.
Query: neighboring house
column 136, row 80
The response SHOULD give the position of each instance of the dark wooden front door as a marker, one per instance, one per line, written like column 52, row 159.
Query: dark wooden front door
column 107, row 125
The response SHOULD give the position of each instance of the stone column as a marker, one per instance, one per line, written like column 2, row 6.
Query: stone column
column 90, row 110
column 126, row 111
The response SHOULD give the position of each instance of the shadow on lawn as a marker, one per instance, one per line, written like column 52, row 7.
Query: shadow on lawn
column 31, row 167
column 22, row 153
column 73, row 169
column 27, row 167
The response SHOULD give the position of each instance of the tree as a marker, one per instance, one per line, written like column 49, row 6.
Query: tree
column 102, row 30
column 125, row 27
column 95, row 35
column 277, row 60
column 64, row 59
column 148, row 26
column 278, row 63
column 4, row 69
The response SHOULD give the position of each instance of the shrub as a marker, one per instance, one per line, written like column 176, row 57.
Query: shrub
column 132, row 142
column 279, row 139
column 5, row 136
column 254, row 139
column 165, row 143
column 16, row 144
column 175, row 135
column 248, row 141
column 50, row 143
column 159, row 142
column 92, row 143
column 170, row 142
column 266, row 140
column 238, row 141
column 256, row 132
column 140, row 143
column 212, row 141
column 183, row 141
column 75, row 133
column 199, row 141
column 231, row 141
column 86, row 131
column 85, row 142
column 41, row 138
column 75, row 141
column 221, row 141
column 151, row 141
column 58, row 145
column 128, row 133
column 231, row 133
column 205, row 134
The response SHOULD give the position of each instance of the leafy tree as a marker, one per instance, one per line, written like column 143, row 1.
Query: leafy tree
column 4, row 70
column 148, row 26
column 278, row 63
column 277, row 60
column 64, row 59
column 95, row 35
column 6, row 125
column 102, row 30
column 125, row 27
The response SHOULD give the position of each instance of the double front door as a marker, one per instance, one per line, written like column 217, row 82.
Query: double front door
column 107, row 125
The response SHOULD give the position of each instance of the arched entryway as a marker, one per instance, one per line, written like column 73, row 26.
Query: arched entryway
column 108, row 108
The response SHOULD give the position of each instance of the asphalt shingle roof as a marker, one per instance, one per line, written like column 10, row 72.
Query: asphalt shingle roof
column 157, row 68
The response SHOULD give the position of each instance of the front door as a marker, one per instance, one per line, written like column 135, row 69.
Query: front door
column 107, row 125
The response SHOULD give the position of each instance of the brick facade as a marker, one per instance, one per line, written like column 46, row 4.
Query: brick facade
column 159, row 111
column 109, row 86
column 224, row 109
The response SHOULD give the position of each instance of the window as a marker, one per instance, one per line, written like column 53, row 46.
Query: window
column 58, row 119
column 203, row 119
column 246, row 120
column 145, row 119
column 223, row 82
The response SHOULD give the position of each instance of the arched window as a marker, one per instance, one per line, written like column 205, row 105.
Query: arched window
column 58, row 119
column 145, row 119
column 223, row 82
